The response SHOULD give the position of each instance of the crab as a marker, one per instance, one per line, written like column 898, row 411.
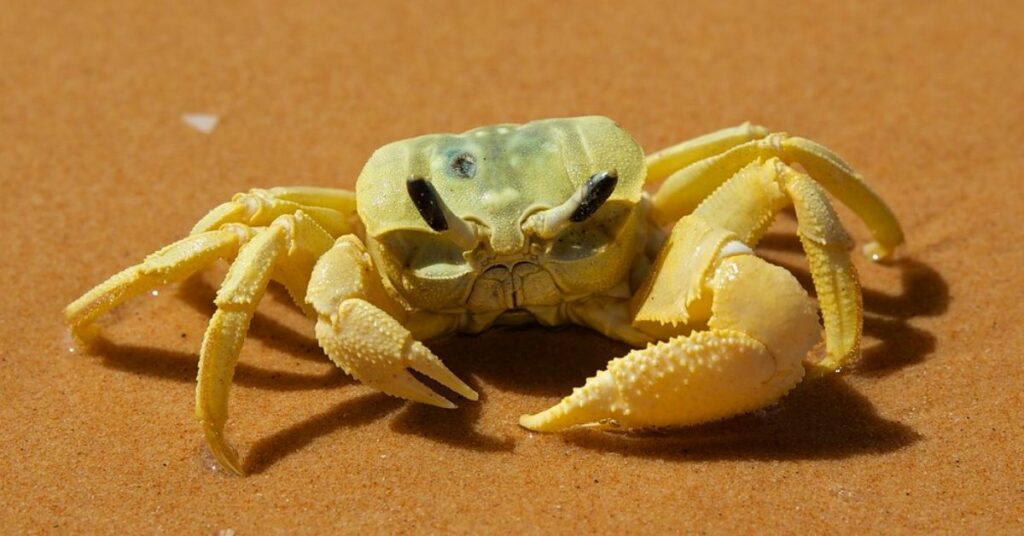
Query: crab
column 548, row 222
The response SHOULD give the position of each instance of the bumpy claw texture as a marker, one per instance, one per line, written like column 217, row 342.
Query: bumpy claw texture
column 749, row 358
column 376, row 350
column 672, row 383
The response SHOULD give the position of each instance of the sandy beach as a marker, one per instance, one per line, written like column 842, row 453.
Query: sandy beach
column 101, row 163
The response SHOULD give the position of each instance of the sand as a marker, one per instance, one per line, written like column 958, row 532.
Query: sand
column 98, row 168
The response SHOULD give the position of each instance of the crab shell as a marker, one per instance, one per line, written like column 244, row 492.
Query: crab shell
column 495, row 177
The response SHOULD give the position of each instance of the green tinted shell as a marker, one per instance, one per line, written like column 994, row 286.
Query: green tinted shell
column 497, row 175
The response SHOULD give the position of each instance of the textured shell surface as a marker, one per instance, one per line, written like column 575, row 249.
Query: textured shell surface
column 496, row 177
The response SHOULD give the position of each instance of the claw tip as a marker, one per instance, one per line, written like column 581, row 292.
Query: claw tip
column 532, row 422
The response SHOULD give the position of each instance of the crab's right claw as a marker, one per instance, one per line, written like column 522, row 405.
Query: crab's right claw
column 375, row 349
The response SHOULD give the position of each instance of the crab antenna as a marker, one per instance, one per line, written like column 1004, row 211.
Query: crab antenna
column 437, row 215
column 583, row 203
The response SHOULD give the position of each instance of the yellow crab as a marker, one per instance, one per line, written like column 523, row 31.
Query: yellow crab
column 545, row 222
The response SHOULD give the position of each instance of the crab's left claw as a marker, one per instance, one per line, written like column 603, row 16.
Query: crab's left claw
column 672, row 383
column 762, row 326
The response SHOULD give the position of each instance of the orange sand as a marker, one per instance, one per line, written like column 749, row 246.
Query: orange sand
column 97, row 169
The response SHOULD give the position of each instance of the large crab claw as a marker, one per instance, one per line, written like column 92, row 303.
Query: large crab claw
column 762, row 325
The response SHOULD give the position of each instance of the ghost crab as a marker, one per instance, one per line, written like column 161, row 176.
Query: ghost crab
column 545, row 222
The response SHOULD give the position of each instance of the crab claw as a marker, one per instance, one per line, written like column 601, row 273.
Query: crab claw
column 743, row 362
column 682, row 381
column 378, row 351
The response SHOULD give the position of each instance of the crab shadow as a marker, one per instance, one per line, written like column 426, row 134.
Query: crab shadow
column 823, row 419
column 181, row 367
column 451, row 427
column 349, row 414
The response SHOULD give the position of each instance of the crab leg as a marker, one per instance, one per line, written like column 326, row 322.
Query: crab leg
column 671, row 159
column 291, row 243
column 330, row 208
column 218, row 235
column 690, row 185
column 747, row 203
column 171, row 263
column 359, row 329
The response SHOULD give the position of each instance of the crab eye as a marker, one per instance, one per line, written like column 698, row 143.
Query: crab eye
column 427, row 202
column 464, row 165
column 596, row 191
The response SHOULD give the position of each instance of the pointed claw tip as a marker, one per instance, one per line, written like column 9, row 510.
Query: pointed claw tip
column 463, row 390
column 551, row 420
column 536, row 423
column 444, row 403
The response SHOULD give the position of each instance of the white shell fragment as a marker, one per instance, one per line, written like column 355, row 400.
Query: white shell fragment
column 204, row 123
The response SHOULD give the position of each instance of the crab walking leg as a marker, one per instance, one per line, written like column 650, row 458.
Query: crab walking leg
column 762, row 325
column 171, row 263
column 359, row 329
column 330, row 208
column 746, row 205
column 291, row 243
column 835, row 279
column 849, row 187
column 685, row 189
column 671, row 159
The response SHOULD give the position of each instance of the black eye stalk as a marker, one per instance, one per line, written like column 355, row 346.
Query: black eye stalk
column 583, row 203
column 427, row 202
column 596, row 191
column 433, row 211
